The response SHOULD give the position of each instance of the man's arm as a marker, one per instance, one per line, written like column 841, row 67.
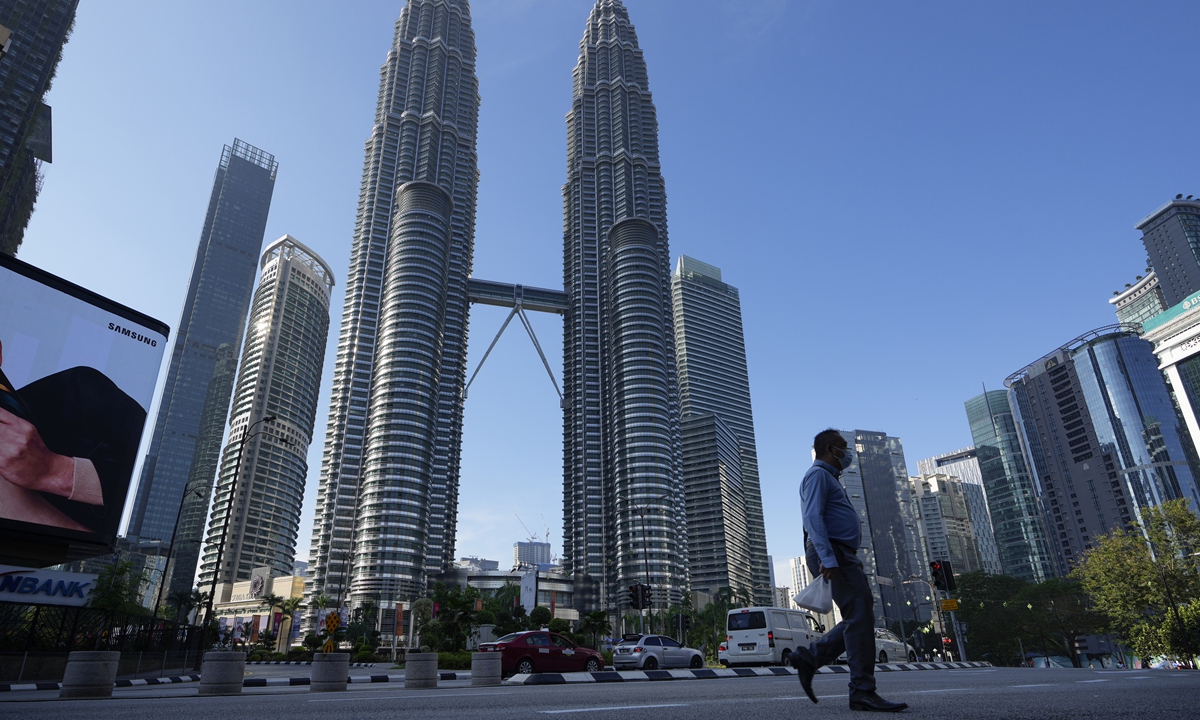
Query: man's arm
column 814, row 490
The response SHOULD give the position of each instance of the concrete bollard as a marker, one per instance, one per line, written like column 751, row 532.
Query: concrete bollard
column 90, row 674
column 485, row 669
column 222, row 673
column 421, row 670
column 329, row 672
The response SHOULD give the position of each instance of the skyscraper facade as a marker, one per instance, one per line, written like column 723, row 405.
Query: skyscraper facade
column 714, row 490
column 32, row 33
column 1103, row 437
column 946, row 521
column 878, row 487
column 388, row 497
column 1139, row 301
column 713, row 378
column 963, row 465
column 1012, row 494
column 1171, row 235
column 256, row 507
column 214, row 314
column 1175, row 334
column 621, row 442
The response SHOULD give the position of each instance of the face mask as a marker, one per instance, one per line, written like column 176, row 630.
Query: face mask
column 847, row 458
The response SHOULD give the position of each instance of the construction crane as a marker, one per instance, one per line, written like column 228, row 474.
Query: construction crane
column 532, row 537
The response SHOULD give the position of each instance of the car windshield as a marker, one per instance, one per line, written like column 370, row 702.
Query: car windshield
column 747, row 621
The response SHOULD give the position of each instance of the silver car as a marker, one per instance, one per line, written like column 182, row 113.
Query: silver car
column 651, row 652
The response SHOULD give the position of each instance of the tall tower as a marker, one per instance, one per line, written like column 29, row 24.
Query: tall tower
column 621, row 441
column 713, row 378
column 214, row 314
column 386, row 507
column 257, row 502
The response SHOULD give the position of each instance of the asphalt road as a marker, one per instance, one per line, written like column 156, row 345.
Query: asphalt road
column 983, row 693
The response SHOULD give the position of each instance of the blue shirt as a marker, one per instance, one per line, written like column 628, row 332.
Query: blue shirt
column 827, row 512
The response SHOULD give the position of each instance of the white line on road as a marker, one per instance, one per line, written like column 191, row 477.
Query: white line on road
column 1034, row 685
column 615, row 707
column 1090, row 681
column 412, row 695
column 941, row 690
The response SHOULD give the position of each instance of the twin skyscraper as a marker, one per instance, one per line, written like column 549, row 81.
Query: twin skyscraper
column 387, row 504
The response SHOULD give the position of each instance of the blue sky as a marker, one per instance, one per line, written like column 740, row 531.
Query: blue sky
column 914, row 198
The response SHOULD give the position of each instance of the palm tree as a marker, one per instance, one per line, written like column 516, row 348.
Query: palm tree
column 595, row 624
column 289, row 607
column 322, row 601
column 270, row 602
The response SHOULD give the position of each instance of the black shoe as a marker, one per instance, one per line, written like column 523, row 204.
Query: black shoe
column 871, row 701
column 806, row 668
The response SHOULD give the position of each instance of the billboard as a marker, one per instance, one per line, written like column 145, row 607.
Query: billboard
column 77, row 375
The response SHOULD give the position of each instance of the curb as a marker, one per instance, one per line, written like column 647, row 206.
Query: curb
column 274, row 682
column 300, row 662
column 9, row 687
column 715, row 673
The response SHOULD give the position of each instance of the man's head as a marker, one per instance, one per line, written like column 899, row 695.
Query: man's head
column 830, row 447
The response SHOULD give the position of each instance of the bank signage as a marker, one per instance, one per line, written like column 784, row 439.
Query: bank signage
column 44, row 587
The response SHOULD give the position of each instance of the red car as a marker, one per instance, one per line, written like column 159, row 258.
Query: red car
column 541, row 651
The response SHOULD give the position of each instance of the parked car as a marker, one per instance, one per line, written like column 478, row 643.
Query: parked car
column 541, row 651
column 651, row 652
column 723, row 654
column 766, row 635
column 889, row 648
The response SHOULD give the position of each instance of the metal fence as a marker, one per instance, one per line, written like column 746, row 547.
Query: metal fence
column 47, row 628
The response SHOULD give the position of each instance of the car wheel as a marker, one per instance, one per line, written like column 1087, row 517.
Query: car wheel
column 593, row 665
column 650, row 664
column 525, row 667
column 912, row 657
column 785, row 657
column 697, row 663
column 882, row 656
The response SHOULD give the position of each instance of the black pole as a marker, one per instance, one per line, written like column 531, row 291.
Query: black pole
column 171, row 548
column 237, row 469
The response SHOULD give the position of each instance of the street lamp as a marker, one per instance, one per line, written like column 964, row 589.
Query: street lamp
column 936, row 610
column 171, row 548
column 225, row 531
column 641, row 511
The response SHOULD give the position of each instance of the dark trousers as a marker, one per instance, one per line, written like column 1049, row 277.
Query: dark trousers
column 855, row 634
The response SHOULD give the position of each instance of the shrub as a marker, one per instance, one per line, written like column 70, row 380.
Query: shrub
column 540, row 617
column 365, row 656
column 607, row 657
column 560, row 626
column 254, row 657
column 460, row 660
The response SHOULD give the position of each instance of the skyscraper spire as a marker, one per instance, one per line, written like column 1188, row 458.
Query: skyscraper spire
column 389, row 475
column 623, row 510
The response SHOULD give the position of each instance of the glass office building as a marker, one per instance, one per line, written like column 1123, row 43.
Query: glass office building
column 1171, row 235
column 1103, row 436
column 214, row 314
column 260, row 488
column 710, row 351
column 1012, row 494
column 964, row 465
column 1139, row 301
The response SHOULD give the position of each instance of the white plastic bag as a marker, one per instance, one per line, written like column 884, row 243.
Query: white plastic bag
column 817, row 596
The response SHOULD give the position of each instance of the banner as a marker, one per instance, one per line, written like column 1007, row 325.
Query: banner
column 44, row 587
column 77, row 375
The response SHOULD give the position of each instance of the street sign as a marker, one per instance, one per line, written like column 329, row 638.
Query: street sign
column 328, row 648
column 884, row 580
column 949, row 605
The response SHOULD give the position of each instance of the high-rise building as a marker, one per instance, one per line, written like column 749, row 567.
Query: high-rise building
column 963, row 465
column 1175, row 335
column 1012, row 495
column 1139, row 301
column 530, row 554
column 946, row 521
column 1171, row 235
column 714, row 490
column 32, row 35
column 878, row 487
column 388, row 498
column 710, row 352
column 214, row 314
column 193, row 514
column 1102, row 435
column 621, row 445
column 260, row 488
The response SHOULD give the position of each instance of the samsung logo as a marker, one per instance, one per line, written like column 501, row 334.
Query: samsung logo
column 133, row 334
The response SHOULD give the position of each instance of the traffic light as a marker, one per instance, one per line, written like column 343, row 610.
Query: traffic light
column 645, row 603
column 687, row 622
column 635, row 597
column 951, row 585
column 939, row 574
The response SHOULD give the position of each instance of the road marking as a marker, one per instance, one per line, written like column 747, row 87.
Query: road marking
column 411, row 695
column 615, row 707
column 1090, row 681
column 922, row 692
column 1034, row 685
column 805, row 697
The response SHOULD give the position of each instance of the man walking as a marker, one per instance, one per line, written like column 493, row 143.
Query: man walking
column 831, row 538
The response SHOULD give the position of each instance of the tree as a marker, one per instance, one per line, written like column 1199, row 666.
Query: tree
column 595, row 624
column 1055, row 613
column 118, row 588
column 179, row 603
column 270, row 601
column 1144, row 583
column 289, row 608
column 988, row 604
column 539, row 617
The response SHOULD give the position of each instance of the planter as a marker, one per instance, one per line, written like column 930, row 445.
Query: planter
column 90, row 674
column 421, row 670
column 222, row 673
column 329, row 672
column 485, row 669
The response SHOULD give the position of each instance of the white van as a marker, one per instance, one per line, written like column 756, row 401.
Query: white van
column 765, row 635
